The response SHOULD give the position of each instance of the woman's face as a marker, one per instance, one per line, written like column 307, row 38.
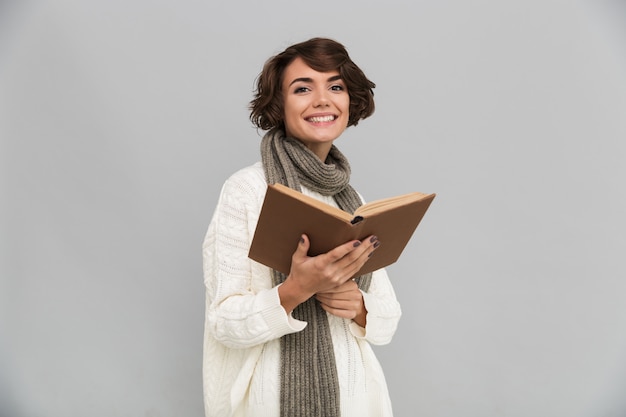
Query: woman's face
column 316, row 106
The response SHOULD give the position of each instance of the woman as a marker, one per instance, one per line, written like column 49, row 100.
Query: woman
column 296, row 345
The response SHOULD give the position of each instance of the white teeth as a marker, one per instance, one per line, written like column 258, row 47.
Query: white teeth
column 321, row 119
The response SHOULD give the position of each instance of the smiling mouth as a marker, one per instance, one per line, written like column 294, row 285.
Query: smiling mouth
column 321, row 119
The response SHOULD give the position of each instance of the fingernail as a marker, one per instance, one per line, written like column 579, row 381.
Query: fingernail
column 377, row 244
column 357, row 243
column 373, row 239
column 301, row 239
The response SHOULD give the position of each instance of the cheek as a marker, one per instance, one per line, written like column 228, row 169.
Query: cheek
column 290, row 108
column 346, row 104
column 289, row 117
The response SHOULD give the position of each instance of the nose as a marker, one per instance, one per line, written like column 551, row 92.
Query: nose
column 321, row 99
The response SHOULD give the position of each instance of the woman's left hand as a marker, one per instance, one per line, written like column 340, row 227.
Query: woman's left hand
column 345, row 300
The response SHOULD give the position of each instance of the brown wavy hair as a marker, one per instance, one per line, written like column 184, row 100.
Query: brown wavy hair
column 323, row 55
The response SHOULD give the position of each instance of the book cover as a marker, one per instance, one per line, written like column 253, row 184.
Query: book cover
column 286, row 214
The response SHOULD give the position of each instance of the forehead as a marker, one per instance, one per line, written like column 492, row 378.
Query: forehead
column 300, row 69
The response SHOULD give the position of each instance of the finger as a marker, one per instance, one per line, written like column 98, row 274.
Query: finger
column 333, row 263
column 345, row 296
column 354, row 251
column 346, row 313
column 353, row 262
column 341, row 251
column 343, row 262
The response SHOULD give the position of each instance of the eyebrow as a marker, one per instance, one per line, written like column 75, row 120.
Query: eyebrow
column 310, row 80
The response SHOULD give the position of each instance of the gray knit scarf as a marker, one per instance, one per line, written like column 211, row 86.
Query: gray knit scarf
column 309, row 384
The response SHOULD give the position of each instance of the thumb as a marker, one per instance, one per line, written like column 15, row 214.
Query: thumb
column 303, row 247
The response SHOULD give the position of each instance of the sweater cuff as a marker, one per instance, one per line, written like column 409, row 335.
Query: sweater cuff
column 357, row 331
column 382, row 321
column 275, row 315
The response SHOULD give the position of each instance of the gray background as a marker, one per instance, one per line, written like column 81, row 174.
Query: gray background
column 120, row 120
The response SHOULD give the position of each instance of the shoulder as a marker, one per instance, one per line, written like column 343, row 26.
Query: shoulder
column 246, row 184
column 252, row 174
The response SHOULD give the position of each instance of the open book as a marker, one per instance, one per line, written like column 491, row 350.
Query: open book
column 287, row 214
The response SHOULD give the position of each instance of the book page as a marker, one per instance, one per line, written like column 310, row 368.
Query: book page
column 384, row 204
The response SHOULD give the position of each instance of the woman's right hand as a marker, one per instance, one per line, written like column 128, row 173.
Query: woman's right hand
column 313, row 274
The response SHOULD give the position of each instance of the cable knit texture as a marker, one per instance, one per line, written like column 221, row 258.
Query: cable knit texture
column 245, row 321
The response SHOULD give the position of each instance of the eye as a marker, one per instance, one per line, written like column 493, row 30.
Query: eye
column 299, row 90
column 337, row 87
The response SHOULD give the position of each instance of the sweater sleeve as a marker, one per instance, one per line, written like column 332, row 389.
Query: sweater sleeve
column 244, row 308
column 383, row 311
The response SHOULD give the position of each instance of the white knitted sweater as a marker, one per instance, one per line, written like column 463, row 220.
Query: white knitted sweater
column 244, row 319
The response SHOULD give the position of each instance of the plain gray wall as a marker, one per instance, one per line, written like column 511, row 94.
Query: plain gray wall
column 120, row 120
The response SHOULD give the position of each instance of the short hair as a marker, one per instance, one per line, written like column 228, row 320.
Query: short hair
column 323, row 55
